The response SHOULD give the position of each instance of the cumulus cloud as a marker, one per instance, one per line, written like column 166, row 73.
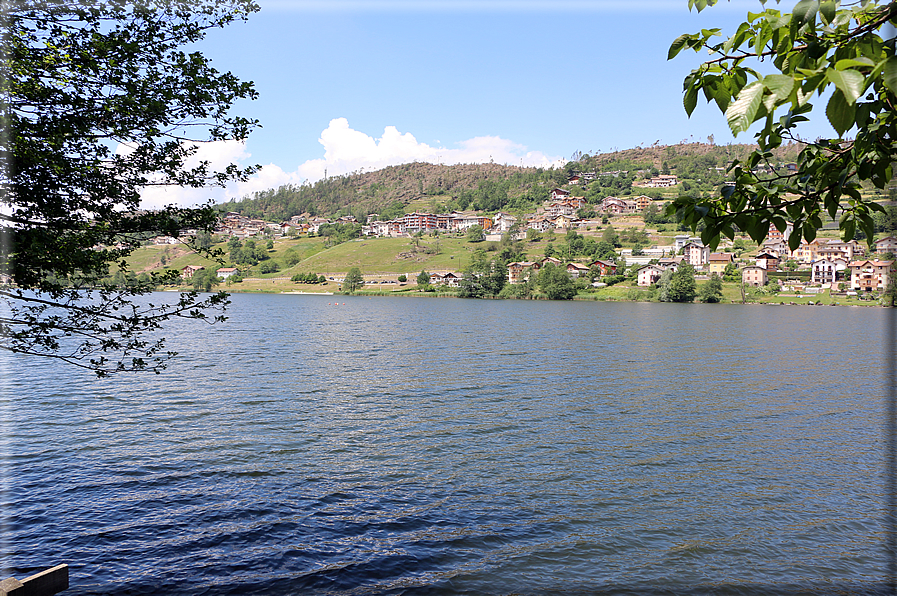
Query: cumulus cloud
column 219, row 154
column 345, row 151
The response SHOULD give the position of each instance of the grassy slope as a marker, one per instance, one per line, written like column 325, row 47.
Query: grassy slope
column 373, row 256
column 386, row 258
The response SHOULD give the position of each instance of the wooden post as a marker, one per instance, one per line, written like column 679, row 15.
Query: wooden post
column 46, row 583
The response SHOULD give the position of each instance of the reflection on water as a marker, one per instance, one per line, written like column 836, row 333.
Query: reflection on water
column 401, row 445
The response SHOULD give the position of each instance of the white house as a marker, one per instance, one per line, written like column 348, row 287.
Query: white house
column 503, row 221
column 226, row 272
column 696, row 254
column 649, row 275
column 754, row 275
column 822, row 271
column 888, row 244
column 681, row 241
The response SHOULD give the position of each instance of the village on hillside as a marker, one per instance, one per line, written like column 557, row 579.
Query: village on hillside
column 823, row 264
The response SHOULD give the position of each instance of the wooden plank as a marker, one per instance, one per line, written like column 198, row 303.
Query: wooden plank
column 11, row 587
column 46, row 583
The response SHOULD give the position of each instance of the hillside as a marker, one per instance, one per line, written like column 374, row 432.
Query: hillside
column 490, row 187
column 392, row 187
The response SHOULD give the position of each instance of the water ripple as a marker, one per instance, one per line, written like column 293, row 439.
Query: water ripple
column 514, row 447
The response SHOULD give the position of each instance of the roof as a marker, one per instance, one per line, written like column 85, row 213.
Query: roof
column 868, row 262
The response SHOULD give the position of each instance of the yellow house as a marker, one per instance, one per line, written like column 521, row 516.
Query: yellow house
column 718, row 261
column 564, row 221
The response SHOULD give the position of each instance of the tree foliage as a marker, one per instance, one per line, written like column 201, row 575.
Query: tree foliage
column 98, row 102
column 822, row 48
column 712, row 290
column 556, row 283
column 204, row 280
column 248, row 253
column 485, row 277
column 354, row 280
column 679, row 286
column 308, row 278
column 475, row 234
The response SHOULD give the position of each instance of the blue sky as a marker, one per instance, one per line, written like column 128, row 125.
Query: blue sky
column 352, row 84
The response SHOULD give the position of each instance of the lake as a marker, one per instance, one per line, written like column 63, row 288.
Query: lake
column 447, row 446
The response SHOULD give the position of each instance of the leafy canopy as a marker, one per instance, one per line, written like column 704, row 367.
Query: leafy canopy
column 98, row 102
column 556, row 283
column 354, row 280
column 822, row 48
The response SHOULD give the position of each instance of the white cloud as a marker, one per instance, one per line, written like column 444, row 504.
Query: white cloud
column 219, row 154
column 345, row 151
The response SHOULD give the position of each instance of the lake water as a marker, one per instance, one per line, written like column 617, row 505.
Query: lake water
column 404, row 446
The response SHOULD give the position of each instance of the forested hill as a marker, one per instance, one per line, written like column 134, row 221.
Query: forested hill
column 493, row 186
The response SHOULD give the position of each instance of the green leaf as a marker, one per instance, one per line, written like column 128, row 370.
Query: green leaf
column 842, row 18
column 809, row 233
column 840, row 113
column 780, row 224
column 690, row 100
column 805, row 11
column 828, row 10
column 741, row 112
column 853, row 62
column 867, row 224
column 779, row 85
column 849, row 82
column 765, row 34
column 833, row 209
column 848, row 229
column 890, row 74
column 780, row 22
column 736, row 39
column 677, row 46
column 794, row 238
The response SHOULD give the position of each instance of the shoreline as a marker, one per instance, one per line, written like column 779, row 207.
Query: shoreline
column 578, row 298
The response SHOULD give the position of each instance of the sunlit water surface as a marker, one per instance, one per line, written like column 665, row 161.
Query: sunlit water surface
column 453, row 446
